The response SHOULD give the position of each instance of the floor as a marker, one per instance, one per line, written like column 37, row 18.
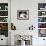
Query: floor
column 3, row 45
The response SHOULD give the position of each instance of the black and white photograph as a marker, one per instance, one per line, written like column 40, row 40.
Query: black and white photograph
column 23, row 14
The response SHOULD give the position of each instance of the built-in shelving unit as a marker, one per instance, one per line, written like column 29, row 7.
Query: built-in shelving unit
column 42, row 19
column 4, row 19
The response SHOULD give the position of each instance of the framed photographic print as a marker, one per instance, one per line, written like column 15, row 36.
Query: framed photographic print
column 23, row 14
column 42, row 32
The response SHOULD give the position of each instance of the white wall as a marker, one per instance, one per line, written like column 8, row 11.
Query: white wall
column 32, row 6
column 24, row 5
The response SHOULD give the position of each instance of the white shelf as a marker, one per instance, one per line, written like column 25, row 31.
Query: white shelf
column 3, row 16
column 3, row 22
column 41, row 22
column 3, row 10
column 41, row 10
column 42, row 16
column 41, row 28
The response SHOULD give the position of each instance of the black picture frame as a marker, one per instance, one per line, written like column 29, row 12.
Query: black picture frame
column 23, row 14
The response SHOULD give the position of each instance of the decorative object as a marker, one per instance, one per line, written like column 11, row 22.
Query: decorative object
column 41, row 25
column 4, row 29
column 6, row 7
column 13, row 27
column 0, row 7
column 41, row 19
column 43, row 13
column 23, row 14
column 3, row 13
column 31, row 27
column 41, row 6
column 3, row 19
column 24, row 37
column 42, row 32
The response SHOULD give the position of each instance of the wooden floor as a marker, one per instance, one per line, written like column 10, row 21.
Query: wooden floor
column 3, row 45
